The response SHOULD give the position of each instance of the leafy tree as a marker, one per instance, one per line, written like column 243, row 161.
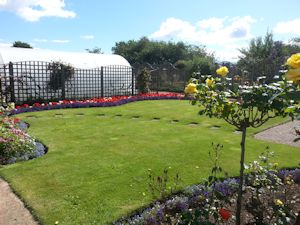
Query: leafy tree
column 263, row 57
column 292, row 47
column 159, row 52
column 95, row 50
column 20, row 44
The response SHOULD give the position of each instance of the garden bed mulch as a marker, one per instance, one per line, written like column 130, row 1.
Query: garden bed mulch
column 283, row 134
column 12, row 209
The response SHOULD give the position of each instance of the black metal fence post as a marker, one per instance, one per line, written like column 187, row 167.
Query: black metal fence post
column 11, row 82
column 132, row 82
column 63, row 87
column 102, row 91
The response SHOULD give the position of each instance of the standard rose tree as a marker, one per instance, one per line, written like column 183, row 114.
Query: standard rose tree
column 246, row 106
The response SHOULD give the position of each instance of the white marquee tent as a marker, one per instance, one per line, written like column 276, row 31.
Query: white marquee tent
column 95, row 74
column 76, row 59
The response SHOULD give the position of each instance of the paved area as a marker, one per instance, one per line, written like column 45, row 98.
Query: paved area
column 284, row 134
column 12, row 210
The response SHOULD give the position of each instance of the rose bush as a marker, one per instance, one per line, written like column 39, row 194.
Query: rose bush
column 245, row 106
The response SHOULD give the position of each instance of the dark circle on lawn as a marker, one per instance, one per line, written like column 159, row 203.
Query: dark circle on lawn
column 155, row 118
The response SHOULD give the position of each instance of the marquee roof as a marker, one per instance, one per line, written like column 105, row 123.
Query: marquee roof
column 80, row 60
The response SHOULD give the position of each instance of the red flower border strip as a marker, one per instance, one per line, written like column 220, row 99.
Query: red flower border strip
column 94, row 102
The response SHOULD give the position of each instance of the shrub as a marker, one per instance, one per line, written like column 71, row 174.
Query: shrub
column 143, row 81
column 59, row 74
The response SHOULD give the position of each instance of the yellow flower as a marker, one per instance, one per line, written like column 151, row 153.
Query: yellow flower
column 223, row 71
column 210, row 82
column 294, row 61
column 293, row 75
column 278, row 202
column 191, row 88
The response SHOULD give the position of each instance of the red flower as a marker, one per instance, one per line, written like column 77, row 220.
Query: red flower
column 225, row 214
column 37, row 104
column 16, row 120
column 25, row 105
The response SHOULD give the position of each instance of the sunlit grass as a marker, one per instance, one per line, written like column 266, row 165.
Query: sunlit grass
column 96, row 167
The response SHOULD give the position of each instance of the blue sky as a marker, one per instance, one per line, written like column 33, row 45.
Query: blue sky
column 74, row 25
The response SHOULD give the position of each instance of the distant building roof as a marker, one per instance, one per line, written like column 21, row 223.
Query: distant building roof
column 79, row 60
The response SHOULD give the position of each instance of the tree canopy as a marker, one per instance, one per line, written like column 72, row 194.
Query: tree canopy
column 95, row 50
column 265, row 57
column 20, row 44
column 190, row 57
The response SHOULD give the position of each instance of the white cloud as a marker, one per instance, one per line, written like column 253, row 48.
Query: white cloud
column 87, row 37
column 218, row 34
column 288, row 27
column 60, row 41
column 212, row 23
column 33, row 10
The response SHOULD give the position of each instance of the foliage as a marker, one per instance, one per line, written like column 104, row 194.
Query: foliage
column 143, row 81
column 263, row 57
column 197, row 65
column 262, row 180
column 163, row 185
column 95, row 50
column 14, row 142
column 20, row 44
column 59, row 74
column 159, row 52
column 242, row 106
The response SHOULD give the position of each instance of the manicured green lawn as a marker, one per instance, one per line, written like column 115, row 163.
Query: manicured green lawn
column 96, row 167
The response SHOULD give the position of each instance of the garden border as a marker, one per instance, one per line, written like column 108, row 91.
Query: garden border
column 95, row 102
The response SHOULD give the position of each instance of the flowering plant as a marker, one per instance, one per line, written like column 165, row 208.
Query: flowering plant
column 94, row 102
column 243, row 106
column 14, row 142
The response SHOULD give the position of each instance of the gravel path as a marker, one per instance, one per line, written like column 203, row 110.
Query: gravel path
column 284, row 134
column 12, row 210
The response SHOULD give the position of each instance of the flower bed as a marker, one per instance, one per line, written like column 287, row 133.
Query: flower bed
column 94, row 102
column 193, row 205
column 16, row 144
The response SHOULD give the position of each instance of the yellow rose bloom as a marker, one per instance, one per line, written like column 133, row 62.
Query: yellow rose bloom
column 278, row 202
column 293, row 75
column 294, row 61
column 222, row 71
column 191, row 88
column 210, row 82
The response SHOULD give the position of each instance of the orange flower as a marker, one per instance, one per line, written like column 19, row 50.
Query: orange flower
column 225, row 214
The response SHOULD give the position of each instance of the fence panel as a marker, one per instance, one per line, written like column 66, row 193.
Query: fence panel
column 35, row 81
